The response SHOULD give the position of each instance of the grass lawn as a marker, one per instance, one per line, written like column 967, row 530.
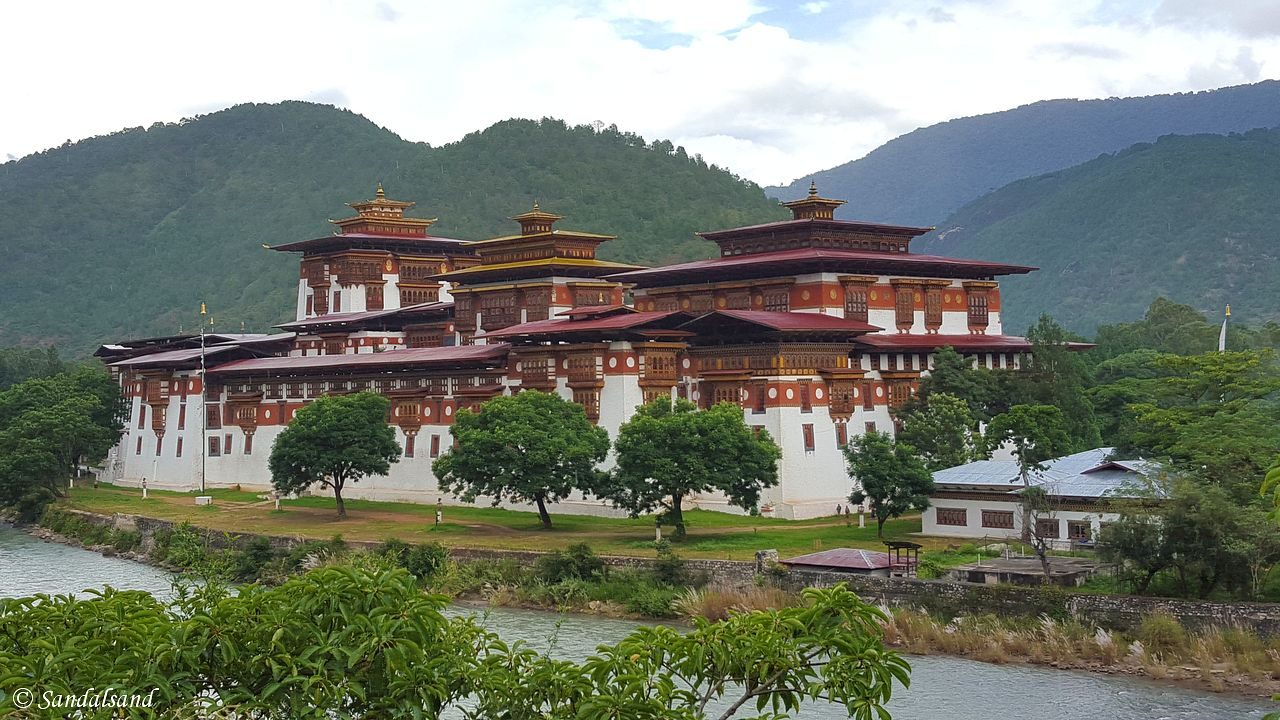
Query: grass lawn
column 711, row 534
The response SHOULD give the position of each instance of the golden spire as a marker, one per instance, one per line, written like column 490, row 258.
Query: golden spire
column 813, row 188
column 535, row 206
column 1228, row 310
column 203, row 311
column 382, row 194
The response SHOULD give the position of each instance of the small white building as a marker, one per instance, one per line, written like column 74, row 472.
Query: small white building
column 983, row 499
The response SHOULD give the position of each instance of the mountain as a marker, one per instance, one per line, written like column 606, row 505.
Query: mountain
column 124, row 235
column 1190, row 218
column 922, row 177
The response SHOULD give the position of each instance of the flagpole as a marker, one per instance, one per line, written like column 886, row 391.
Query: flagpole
column 204, row 399
column 1222, row 335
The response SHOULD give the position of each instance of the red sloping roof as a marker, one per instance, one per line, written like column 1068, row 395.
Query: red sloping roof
column 788, row 321
column 425, row 241
column 172, row 357
column 853, row 260
column 594, row 310
column 355, row 317
column 621, row 321
column 845, row 558
column 854, row 225
column 983, row 343
column 419, row 357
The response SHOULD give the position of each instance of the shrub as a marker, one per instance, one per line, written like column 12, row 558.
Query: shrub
column 425, row 561
column 394, row 549
column 668, row 568
column 253, row 558
column 577, row 561
column 652, row 601
column 124, row 540
column 1162, row 635
column 185, row 547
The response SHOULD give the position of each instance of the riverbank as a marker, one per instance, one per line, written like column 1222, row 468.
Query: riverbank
column 579, row 582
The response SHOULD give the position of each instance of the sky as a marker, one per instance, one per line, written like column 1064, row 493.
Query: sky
column 771, row 90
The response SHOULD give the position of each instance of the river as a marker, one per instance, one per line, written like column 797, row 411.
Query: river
column 941, row 687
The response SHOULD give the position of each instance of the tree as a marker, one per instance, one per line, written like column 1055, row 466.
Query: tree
column 953, row 375
column 1039, row 505
column 1057, row 376
column 362, row 641
column 48, row 427
column 333, row 441
column 1270, row 489
column 943, row 432
column 669, row 450
column 1036, row 434
column 533, row 447
column 889, row 475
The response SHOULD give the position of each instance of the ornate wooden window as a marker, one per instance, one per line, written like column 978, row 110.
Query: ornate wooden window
column 435, row 446
column 660, row 366
column 159, row 444
column 1048, row 528
column 320, row 301
column 806, row 402
column 178, row 448
column 1079, row 530
column 842, row 435
column 667, row 303
column 215, row 447
column 651, row 394
column 583, row 368
column 725, row 392
column 589, row 399
column 759, row 393
column 585, row 297
column 978, row 316
column 142, row 415
column 933, row 307
column 777, row 300
column 373, row 297
column 213, row 416
column 997, row 519
column 899, row 393
column 408, row 444
column 954, row 517
column 868, row 396
column 869, row 428
column 855, row 302
column 248, row 443
column 904, row 306
column 226, row 444
column 418, row 296
column 807, row 431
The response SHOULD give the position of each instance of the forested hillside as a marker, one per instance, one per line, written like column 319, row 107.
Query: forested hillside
column 925, row 175
column 124, row 235
column 1193, row 219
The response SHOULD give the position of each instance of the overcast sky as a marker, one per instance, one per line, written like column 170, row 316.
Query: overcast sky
column 772, row 90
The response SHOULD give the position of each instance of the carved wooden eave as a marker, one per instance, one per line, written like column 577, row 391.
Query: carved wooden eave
column 847, row 373
column 900, row 374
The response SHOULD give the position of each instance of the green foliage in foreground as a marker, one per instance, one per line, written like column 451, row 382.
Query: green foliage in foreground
column 365, row 642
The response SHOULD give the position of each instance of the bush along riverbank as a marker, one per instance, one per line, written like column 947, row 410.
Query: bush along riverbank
column 577, row 580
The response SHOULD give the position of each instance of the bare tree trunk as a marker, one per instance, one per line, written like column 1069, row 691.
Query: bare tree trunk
column 677, row 515
column 542, row 512
column 337, row 495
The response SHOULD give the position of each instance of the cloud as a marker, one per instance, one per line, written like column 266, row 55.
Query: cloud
column 815, row 8
column 1248, row 18
column 772, row 93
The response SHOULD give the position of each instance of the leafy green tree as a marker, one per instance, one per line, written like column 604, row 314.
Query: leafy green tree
column 48, row 428
column 533, row 447
column 1057, row 375
column 333, row 441
column 1270, row 489
column 20, row 364
column 887, row 474
column 953, row 375
column 1035, row 433
column 669, row 450
column 943, row 432
column 362, row 641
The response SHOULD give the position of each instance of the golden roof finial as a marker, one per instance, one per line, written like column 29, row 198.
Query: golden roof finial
column 382, row 194
column 202, row 310
column 813, row 188
column 1228, row 310
column 535, row 205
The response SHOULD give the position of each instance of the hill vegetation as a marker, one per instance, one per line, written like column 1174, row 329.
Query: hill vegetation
column 1192, row 219
column 922, row 177
column 124, row 235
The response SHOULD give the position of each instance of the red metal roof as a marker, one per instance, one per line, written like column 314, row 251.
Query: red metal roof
column 792, row 321
column 172, row 357
column 425, row 241
column 414, row 357
column 853, row 225
column 786, row 262
column 961, row 343
column 594, row 310
column 555, row 326
column 843, row 559
column 357, row 317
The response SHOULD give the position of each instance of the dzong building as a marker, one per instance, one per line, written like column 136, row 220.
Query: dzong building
column 817, row 327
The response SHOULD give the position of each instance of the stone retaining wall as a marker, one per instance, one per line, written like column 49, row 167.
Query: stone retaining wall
column 940, row 597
